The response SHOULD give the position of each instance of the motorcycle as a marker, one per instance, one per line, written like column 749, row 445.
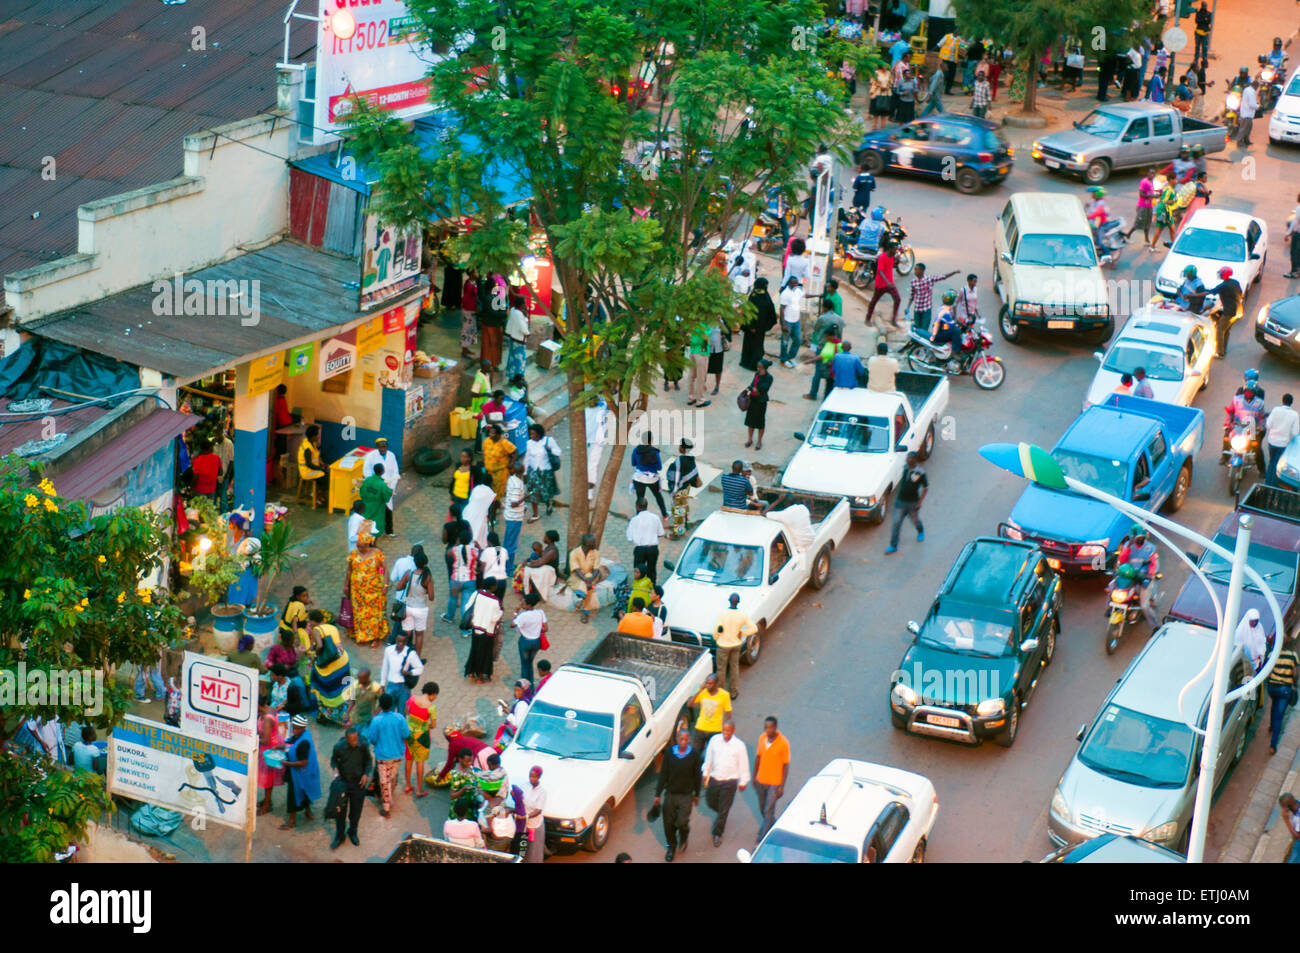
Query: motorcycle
column 1270, row 83
column 1125, row 607
column 767, row 230
column 987, row 371
column 904, row 256
column 860, row 266
column 1231, row 105
column 1242, row 454
column 1109, row 242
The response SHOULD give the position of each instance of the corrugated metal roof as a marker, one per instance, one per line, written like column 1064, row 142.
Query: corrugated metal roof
column 116, row 459
column 15, row 433
column 110, row 89
column 303, row 293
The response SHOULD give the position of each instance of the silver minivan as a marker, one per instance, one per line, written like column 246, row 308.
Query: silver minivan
column 1136, row 769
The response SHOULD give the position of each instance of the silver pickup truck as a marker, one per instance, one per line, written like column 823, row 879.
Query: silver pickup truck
column 1125, row 136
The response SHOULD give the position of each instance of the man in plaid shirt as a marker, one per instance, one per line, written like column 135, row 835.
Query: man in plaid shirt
column 921, row 296
column 981, row 96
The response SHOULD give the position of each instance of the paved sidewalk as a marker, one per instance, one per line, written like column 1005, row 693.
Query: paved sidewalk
column 1259, row 837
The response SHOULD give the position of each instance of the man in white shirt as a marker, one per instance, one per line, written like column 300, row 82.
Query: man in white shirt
column 404, row 564
column 381, row 454
column 725, row 771
column 1246, row 113
column 1250, row 636
column 791, row 314
column 512, row 511
column 1282, row 425
column 643, row 532
column 358, row 522
column 400, row 661
column 534, row 810
column 882, row 370
column 597, row 439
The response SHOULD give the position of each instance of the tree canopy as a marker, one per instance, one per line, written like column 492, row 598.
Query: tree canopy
column 647, row 133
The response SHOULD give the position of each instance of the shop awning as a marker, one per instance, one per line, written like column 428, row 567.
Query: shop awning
column 433, row 132
column 115, row 459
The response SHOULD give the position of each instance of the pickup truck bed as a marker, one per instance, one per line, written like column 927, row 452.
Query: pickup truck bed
column 916, row 387
column 418, row 849
column 1273, row 502
column 819, row 504
column 657, row 664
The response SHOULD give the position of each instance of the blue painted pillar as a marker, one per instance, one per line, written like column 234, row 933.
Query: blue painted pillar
column 251, row 418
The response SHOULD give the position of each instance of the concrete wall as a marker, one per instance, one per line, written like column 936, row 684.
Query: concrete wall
column 135, row 238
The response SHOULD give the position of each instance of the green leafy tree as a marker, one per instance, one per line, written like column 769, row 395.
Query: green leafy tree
column 648, row 133
column 70, row 600
column 1031, row 27
column 275, row 554
column 215, row 569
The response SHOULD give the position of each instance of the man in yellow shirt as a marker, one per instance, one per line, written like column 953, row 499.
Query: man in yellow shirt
column 728, row 635
column 309, row 462
column 714, row 705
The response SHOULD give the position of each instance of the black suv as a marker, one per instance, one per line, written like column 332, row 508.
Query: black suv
column 978, row 655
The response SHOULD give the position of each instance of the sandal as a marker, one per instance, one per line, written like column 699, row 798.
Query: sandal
column 409, row 790
column 421, row 793
column 286, row 826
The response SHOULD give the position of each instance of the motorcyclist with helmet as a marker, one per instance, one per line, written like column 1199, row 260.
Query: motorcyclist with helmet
column 1245, row 411
column 1251, row 380
column 1138, row 561
column 947, row 329
column 1191, row 293
column 1276, row 58
column 871, row 231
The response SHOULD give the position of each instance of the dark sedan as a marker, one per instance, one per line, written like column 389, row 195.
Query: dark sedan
column 966, row 150
column 1278, row 328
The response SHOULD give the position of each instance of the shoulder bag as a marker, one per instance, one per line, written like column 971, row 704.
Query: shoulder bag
column 742, row 399
column 552, row 455
column 411, row 680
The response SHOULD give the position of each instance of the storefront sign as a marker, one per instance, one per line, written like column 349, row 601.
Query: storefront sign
column 414, row 402
column 337, row 356
column 161, row 765
column 219, row 701
column 368, row 51
column 370, row 336
column 390, row 262
column 300, row 359
column 264, row 374
column 394, row 320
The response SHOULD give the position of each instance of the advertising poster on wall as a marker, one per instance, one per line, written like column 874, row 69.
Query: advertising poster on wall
column 337, row 356
column 264, row 374
column 368, row 51
column 390, row 262
column 300, row 359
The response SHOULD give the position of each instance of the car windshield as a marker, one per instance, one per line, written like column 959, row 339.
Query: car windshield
column 722, row 564
column 1110, row 476
column 1293, row 87
column 1209, row 243
column 1160, row 365
column 1139, row 749
column 1073, row 251
column 1277, row 566
column 787, row 847
column 970, row 629
column 850, row 434
column 567, row 733
column 1102, row 124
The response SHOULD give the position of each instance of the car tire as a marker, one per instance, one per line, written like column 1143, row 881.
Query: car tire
column 918, row 855
column 968, row 181
column 1205, row 382
column 821, row 568
column 1097, row 172
column 884, row 508
column 927, row 444
column 600, row 829
column 430, row 461
column 873, row 160
column 1179, row 495
column 897, row 720
column 1010, row 330
column 1102, row 334
column 1053, row 631
column 754, row 646
column 1008, row 737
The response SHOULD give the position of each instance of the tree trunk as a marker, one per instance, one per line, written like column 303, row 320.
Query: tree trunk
column 609, row 477
column 578, row 508
column 1031, row 83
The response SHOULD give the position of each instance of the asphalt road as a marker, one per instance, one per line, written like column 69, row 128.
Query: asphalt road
column 826, row 665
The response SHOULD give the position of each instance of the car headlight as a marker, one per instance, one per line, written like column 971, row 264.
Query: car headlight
column 1239, row 442
column 1024, row 307
column 1164, row 284
column 991, row 706
column 573, row 824
column 864, row 501
column 904, row 695
column 1059, row 806
column 1078, row 157
column 1038, row 146
column 1163, row 834
column 1262, row 316
column 1287, row 469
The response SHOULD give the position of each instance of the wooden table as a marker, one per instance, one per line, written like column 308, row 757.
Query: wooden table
column 345, row 480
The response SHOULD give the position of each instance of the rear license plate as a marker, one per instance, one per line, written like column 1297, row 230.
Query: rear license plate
column 759, row 230
column 1060, row 325
column 1116, row 615
column 849, row 266
column 1051, row 164
column 1004, row 168
column 943, row 721
column 1276, row 342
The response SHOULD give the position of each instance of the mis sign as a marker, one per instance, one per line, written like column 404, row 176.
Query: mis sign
column 219, row 701
column 368, row 49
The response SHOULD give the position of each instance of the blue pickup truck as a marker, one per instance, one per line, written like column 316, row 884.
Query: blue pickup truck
column 1139, row 450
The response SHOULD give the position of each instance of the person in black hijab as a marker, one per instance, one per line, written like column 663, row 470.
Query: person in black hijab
column 751, row 340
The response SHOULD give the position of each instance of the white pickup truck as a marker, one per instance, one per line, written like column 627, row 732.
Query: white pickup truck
column 596, row 725
column 860, row 439
column 760, row 558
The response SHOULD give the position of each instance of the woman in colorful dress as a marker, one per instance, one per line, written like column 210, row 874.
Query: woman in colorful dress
column 682, row 475
column 498, row 458
column 331, row 675
column 1164, row 212
column 469, row 315
column 270, row 736
column 461, row 779
column 367, row 587
column 293, row 621
column 422, row 717
column 539, row 474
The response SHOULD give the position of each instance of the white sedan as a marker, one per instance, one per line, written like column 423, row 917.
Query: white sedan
column 1284, row 122
column 1210, row 239
column 853, row 812
column 1174, row 347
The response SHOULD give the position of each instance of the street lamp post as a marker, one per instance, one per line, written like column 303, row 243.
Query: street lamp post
column 1036, row 464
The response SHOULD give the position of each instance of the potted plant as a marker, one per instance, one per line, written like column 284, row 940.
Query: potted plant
column 213, row 570
column 273, row 556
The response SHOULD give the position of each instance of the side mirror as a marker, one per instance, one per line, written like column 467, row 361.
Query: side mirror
column 1028, row 645
column 1006, row 256
column 1099, row 356
column 901, row 448
column 914, row 627
column 627, row 756
column 1190, row 555
column 669, row 565
column 1254, row 256
column 744, row 856
column 799, row 436
column 1141, row 496
column 1104, row 260
column 1083, row 730
column 771, row 580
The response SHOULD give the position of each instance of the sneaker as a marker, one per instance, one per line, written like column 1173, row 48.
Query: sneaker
column 891, row 550
column 141, row 700
column 355, row 841
column 920, row 538
column 335, row 843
